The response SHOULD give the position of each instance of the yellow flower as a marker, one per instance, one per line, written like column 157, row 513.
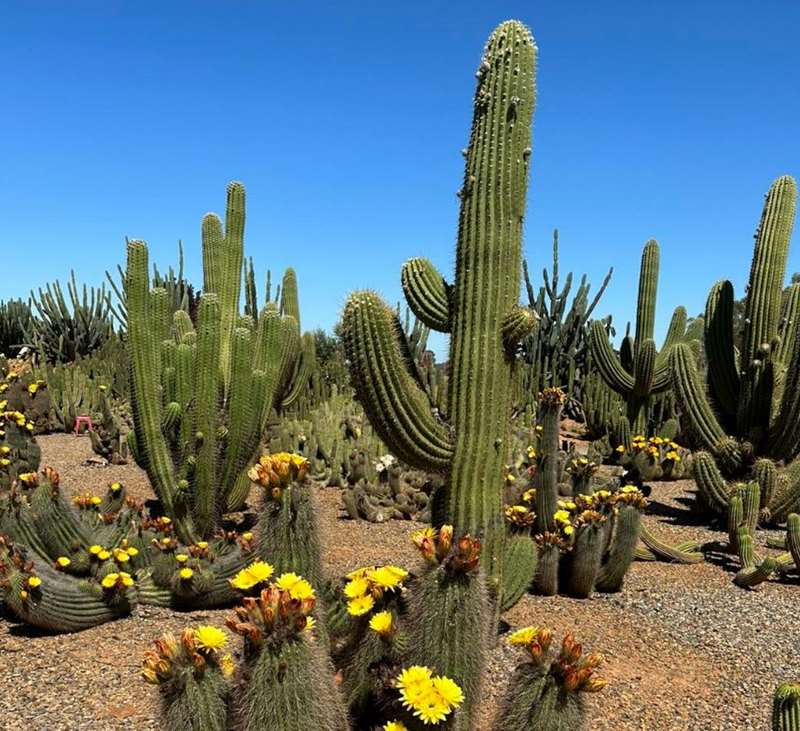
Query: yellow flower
column 186, row 573
column 529, row 495
column 109, row 580
column 210, row 638
column 115, row 487
column 34, row 581
column 132, row 551
column 297, row 586
column 382, row 623
column 5, row 462
column 4, row 449
column 165, row 520
column 95, row 549
column 23, row 595
column 260, row 571
column 531, row 452
column 412, row 683
column 449, row 691
column 202, row 544
column 388, row 577
column 127, row 579
column 568, row 530
column 356, row 587
column 33, row 388
column 243, row 581
column 121, row 556
column 523, row 637
column 620, row 449
column 360, row 605
column 248, row 536
column 561, row 516
column 310, row 624
column 94, row 500
column 104, row 555
column 394, row 726
column 227, row 666
column 181, row 557
column 63, row 561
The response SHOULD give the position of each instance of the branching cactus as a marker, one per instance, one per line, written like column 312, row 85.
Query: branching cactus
column 750, row 405
column 480, row 311
column 195, row 453
column 639, row 373
column 545, row 693
column 450, row 618
column 191, row 673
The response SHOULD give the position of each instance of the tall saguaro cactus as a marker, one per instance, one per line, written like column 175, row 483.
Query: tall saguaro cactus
column 750, row 405
column 639, row 373
column 480, row 310
column 201, row 397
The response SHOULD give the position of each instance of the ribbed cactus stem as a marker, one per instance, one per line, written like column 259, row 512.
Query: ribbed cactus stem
column 550, row 404
column 646, row 299
column 786, row 707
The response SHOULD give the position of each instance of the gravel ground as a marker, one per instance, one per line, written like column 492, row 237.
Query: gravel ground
column 685, row 648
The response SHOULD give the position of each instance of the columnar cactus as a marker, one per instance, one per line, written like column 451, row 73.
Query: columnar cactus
column 545, row 692
column 481, row 311
column 750, row 405
column 196, row 455
column 639, row 373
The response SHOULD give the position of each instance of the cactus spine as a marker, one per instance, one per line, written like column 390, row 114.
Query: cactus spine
column 786, row 707
column 479, row 307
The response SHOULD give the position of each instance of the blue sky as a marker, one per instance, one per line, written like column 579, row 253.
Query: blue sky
column 346, row 120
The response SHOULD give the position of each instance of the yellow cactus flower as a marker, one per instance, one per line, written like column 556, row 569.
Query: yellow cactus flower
column 561, row 516
column 23, row 595
column 202, row 544
column 63, row 561
column 104, row 555
column 620, row 449
column 127, row 579
column 33, row 388
column 227, row 666
column 247, row 536
column 95, row 549
column 568, row 530
column 356, row 587
column 4, row 449
column 95, row 500
column 5, row 462
column 523, row 637
column 186, row 574
column 395, row 726
column 382, row 623
column 448, row 690
column 210, row 638
column 109, row 580
column 115, row 487
column 132, row 551
column 181, row 557
column 297, row 586
column 360, row 605
column 34, row 581
column 388, row 577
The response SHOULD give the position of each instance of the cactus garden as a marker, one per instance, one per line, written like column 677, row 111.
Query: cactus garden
column 513, row 499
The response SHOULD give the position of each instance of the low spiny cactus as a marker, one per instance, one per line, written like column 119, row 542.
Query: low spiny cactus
column 786, row 707
column 545, row 693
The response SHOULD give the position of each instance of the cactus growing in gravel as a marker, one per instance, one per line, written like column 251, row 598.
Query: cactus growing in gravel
column 639, row 373
column 751, row 404
column 450, row 617
column 545, row 693
column 191, row 672
column 287, row 679
column 480, row 310
column 195, row 454
column 786, row 707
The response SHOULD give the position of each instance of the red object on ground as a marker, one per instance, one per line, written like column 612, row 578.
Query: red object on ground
column 85, row 421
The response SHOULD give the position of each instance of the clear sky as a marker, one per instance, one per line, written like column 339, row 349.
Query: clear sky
column 346, row 120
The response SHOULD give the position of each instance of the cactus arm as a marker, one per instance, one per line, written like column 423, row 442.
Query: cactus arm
column 676, row 331
column 518, row 324
column 723, row 374
column 644, row 368
column 303, row 369
column 212, row 238
column 692, row 399
column 648, row 288
column 207, row 404
column 785, row 437
column 427, row 293
column 397, row 408
column 290, row 300
column 710, row 482
column 145, row 399
column 790, row 319
column 607, row 362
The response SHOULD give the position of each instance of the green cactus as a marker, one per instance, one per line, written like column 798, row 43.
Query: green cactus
column 750, row 404
column 786, row 707
column 472, row 452
column 195, row 455
column 450, row 619
column 546, row 693
column 639, row 374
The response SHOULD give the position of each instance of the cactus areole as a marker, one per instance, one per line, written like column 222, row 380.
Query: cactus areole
column 480, row 310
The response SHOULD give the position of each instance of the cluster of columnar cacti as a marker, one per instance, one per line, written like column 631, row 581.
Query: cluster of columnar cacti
column 15, row 321
column 557, row 353
column 640, row 373
column 545, row 692
column 61, row 331
column 195, row 452
column 748, row 409
column 181, row 294
column 586, row 538
column 480, row 311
